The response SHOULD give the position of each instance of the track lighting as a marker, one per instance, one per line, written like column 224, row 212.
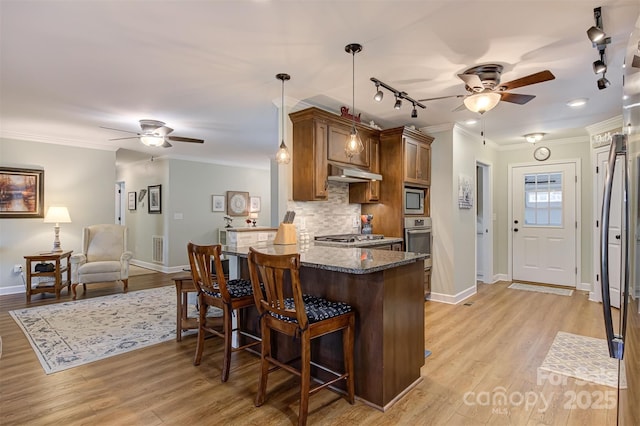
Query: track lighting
column 379, row 95
column 599, row 40
column 603, row 83
column 399, row 96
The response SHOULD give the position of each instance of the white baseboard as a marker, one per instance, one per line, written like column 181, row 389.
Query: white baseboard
column 12, row 290
column 453, row 299
column 584, row 287
column 159, row 268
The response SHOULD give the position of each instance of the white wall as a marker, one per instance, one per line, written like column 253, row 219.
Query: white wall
column 81, row 179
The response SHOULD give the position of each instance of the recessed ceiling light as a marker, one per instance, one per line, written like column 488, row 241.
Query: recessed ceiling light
column 471, row 122
column 576, row 103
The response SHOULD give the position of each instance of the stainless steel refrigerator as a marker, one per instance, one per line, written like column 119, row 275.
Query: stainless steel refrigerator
column 623, row 326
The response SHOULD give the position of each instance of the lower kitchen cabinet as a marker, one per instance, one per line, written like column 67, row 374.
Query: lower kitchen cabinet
column 427, row 284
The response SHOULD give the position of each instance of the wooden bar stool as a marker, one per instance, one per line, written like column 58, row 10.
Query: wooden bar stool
column 229, row 296
column 302, row 317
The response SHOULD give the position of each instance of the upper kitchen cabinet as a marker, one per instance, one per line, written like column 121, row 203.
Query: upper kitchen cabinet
column 319, row 138
column 417, row 158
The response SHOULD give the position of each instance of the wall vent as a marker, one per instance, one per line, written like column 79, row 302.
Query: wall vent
column 157, row 246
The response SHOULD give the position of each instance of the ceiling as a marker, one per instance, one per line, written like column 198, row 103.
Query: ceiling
column 207, row 68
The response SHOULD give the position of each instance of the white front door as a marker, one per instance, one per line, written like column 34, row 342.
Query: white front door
column 544, row 224
column 615, row 222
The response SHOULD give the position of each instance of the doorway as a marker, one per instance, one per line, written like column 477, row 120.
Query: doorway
column 484, row 224
column 544, row 223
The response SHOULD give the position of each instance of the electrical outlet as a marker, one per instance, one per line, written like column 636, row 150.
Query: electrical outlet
column 356, row 222
column 17, row 268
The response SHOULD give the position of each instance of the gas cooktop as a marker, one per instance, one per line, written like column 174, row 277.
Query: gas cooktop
column 349, row 238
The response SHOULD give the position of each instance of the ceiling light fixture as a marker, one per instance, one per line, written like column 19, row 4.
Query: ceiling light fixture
column 283, row 156
column 600, row 66
column 152, row 140
column 482, row 102
column 576, row 103
column 399, row 96
column 379, row 95
column 354, row 144
column 596, row 33
column 599, row 40
column 534, row 137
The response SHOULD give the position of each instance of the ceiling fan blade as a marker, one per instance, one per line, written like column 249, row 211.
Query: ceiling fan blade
column 128, row 137
column 441, row 97
column 538, row 77
column 183, row 139
column 472, row 81
column 516, row 98
column 635, row 63
column 119, row 130
column 166, row 144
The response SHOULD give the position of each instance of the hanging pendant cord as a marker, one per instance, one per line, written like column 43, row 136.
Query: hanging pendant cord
column 353, row 88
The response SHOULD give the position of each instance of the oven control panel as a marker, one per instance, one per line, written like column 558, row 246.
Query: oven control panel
column 417, row 222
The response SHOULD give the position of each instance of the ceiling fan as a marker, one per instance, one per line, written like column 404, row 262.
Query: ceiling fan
column 154, row 133
column 485, row 90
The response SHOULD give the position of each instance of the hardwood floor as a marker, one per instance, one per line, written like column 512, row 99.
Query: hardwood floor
column 490, row 346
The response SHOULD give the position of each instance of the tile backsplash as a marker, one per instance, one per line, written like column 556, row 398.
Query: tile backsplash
column 334, row 216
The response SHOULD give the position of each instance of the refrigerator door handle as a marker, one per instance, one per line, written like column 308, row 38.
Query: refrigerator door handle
column 614, row 342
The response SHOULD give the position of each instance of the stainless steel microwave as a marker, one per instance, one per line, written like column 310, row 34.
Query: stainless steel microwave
column 414, row 201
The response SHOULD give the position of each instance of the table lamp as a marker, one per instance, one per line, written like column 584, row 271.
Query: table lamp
column 57, row 215
column 254, row 218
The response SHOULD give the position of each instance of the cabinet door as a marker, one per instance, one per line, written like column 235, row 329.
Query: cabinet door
column 424, row 163
column 338, row 137
column 320, row 180
column 410, row 160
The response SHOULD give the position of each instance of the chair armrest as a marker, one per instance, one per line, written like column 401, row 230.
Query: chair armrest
column 126, row 256
column 78, row 259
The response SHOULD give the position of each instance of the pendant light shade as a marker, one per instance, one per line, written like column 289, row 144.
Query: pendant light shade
column 283, row 156
column 482, row 102
column 354, row 145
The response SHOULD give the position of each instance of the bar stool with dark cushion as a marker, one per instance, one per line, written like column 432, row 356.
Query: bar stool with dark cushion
column 229, row 296
column 303, row 317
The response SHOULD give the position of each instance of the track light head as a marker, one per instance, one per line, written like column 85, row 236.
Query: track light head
column 379, row 95
column 603, row 83
column 595, row 34
column 599, row 67
column 398, row 103
column 414, row 112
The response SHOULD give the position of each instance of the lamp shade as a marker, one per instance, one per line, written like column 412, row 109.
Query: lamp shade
column 151, row 140
column 57, row 215
column 482, row 102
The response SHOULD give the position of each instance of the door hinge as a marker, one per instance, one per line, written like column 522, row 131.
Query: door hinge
column 597, row 224
column 598, row 277
column 576, row 270
column 576, row 179
column 597, row 169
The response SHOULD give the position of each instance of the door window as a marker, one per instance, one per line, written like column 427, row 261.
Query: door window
column 543, row 199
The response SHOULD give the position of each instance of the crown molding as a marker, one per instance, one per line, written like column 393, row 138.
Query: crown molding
column 57, row 141
column 603, row 126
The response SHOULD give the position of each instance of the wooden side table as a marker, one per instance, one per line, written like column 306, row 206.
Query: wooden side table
column 184, row 286
column 59, row 269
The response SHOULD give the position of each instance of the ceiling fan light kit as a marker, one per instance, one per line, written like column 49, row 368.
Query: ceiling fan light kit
column 482, row 102
column 599, row 40
column 151, row 140
column 534, row 137
column 399, row 96
column 283, row 156
column 354, row 145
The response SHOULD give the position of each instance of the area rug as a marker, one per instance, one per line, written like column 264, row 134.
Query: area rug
column 69, row 334
column 584, row 358
column 541, row 289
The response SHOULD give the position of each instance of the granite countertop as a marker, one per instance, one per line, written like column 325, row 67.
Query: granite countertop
column 350, row 260
column 361, row 243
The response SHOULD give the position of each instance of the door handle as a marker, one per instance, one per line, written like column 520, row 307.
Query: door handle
column 515, row 229
column 618, row 237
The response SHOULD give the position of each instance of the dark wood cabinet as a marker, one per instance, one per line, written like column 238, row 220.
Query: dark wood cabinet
column 417, row 161
column 319, row 138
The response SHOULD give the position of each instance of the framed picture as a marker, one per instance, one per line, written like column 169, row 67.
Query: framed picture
column 254, row 204
column 155, row 199
column 237, row 203
column 132, row 200
column 217, row 203
column 21, row 193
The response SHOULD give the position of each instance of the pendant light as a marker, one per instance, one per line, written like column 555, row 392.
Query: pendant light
column 283, row 156
column 354, row 144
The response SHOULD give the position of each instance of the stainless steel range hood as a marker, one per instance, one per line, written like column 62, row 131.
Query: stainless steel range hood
column 340, row 173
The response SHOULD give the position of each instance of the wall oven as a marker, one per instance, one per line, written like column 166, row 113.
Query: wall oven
column 417, row 236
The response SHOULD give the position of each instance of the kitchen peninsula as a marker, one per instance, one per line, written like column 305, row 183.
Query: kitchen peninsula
column 385, row 288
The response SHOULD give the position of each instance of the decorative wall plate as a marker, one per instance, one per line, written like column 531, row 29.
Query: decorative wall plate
column 237, row 203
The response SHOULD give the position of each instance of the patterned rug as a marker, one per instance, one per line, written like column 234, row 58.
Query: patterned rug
column 585, row 358
column 542, row 289
column 69, row 334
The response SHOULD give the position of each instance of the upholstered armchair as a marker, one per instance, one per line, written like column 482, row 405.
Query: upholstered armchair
column 104, row 257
